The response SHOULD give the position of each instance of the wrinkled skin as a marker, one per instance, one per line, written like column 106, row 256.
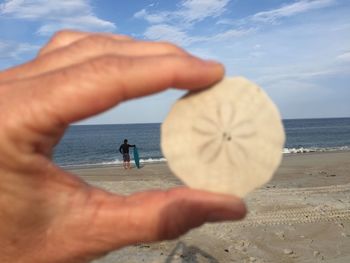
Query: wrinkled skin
column 48, row 214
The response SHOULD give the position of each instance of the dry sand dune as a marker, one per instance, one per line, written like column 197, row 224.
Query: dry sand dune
column 302, row 215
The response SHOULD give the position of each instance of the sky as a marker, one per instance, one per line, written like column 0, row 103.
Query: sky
column 297, row 51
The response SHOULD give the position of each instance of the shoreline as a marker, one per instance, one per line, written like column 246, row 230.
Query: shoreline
column 296, row 170
column 116, row 165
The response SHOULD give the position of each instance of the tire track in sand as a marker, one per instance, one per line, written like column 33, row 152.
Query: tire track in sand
column 302, row 215
column 306, row 190
column 296, row 216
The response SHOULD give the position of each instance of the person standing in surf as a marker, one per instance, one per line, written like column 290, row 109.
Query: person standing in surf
column 124, row 150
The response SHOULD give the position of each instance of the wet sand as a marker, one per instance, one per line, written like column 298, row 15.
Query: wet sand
column 302, row 215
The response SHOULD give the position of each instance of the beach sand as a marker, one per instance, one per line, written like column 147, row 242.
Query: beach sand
column 302, row 215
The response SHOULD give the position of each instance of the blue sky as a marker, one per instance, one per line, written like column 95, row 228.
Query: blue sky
column 298, row 51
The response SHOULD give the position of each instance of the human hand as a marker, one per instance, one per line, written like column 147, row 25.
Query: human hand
column 48, row 214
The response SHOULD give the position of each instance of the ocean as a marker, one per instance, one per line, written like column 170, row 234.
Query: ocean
column 89, row 145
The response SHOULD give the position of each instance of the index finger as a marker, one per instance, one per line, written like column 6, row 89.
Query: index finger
column 67, row 37
column 91, row 87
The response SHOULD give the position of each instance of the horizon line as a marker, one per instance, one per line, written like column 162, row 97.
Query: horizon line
column 135, row 123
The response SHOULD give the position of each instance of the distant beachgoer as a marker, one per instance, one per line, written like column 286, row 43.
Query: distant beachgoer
column 124, row 150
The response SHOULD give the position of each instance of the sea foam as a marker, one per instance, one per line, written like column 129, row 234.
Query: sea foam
column 315, row 149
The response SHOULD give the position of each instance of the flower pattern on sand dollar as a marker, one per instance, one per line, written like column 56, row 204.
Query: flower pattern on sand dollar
column 225, row 133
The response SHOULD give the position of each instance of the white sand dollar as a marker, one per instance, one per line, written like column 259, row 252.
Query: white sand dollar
column 227, row 138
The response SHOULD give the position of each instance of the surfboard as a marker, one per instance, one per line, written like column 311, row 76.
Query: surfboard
column 136, row 157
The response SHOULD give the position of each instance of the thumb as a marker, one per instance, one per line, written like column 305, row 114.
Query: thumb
column 160, row 215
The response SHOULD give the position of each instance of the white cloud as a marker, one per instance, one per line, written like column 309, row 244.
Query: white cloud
column 232, row 33
column 345, row 57
column 34, row 9
column 290, row 10
column 13, row 50
column 55, row 15
column 168, row 33
column 151, row 18
column 272, row 16
column 179, row 36
column 87, row 23
column 301, row 74
column 257, row 46
column 197, row 10
column 174, row 34
column 205, row 53
column 174, row 26
column 189, row 11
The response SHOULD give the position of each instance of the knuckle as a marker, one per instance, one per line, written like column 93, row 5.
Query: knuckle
column 123, row 37
column 177, row 193
column 104, row 39
column 173, row 221
column 171, row 228
column 95, row 41
column 95, row 38
column 59, row 35
column 56, row 40
column 172, row 48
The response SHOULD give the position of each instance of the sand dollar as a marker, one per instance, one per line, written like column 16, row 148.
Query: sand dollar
column 227, row 138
